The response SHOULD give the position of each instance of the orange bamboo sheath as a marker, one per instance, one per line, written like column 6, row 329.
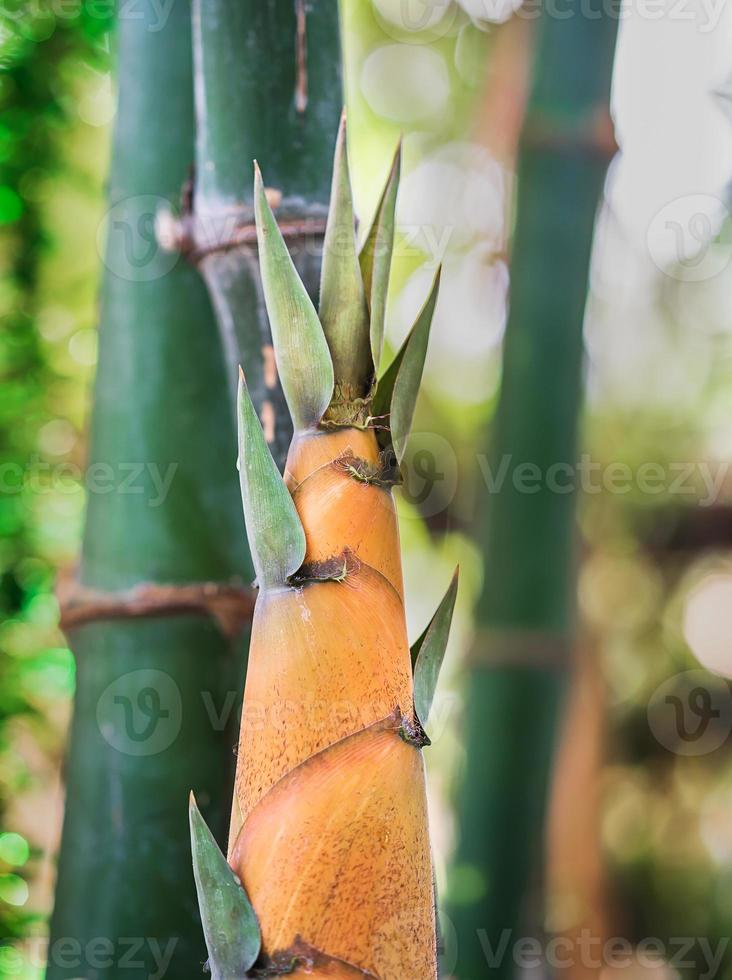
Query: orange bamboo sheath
column 310, row 450
column 325, row 661
column 329, row 832
column 339, row 511
column 359, row 883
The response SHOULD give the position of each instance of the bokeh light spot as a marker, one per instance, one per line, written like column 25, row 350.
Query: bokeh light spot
column 14, row 849
column 708, row 623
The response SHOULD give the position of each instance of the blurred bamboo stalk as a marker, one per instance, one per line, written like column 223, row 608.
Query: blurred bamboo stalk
column 268, row 85
column 576, row 885
column 156, row 675
column 502, row 105
column 525, row 615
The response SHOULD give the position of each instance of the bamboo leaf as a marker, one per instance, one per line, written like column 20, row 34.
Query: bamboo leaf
column 376, row 255
column 343, row 310
column 428, row 652
column 301, row 350
column 397, row 391
column 276, row 536
column 230, row 926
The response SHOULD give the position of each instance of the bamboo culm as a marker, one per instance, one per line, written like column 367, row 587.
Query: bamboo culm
column 142, row 732
column 526, row 610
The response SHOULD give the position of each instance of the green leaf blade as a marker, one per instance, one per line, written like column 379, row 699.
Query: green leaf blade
column 343, row 310
column 274, row 530
column 230, row 926
column 397, row 390
column 376, row 255
column 301, row 350
column 428, row 652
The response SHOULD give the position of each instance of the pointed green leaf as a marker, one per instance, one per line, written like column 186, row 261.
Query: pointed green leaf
column 397, row 390
column 381, row 406
column 276, row 536
column 230, row 926
column 428, row 652
column 376, row 254
column 301, row 350
column 343, row 309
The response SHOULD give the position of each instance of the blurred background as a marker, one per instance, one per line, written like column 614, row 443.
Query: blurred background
column 655, row 582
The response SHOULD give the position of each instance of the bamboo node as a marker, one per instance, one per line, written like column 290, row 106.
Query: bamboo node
column 413, row 733
column 229, row 605
column 592, row 133
column 197, row 233
column 335, row 569
column 301, row 954
column 349, row 406
column 381, row 474
column 528, row 648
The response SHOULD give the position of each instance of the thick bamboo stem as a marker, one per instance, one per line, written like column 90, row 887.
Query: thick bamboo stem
column 150, row 717
column 268, row 86
column 526, row 611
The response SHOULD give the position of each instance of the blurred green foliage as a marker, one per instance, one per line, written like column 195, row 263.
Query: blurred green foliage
column 49, row 54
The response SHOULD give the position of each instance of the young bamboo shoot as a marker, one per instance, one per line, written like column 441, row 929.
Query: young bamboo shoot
column 329, row 834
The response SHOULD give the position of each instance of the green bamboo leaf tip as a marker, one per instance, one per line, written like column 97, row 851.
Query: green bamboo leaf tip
column 274, row 530
column 343, row 308
column 398, row 388
column 376, row 254
column 428, row 652
column 301, row 350
column 230, row 926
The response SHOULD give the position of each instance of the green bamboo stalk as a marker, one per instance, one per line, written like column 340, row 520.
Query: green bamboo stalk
column 526, row 611
column 268, row 85
column 148, row 723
